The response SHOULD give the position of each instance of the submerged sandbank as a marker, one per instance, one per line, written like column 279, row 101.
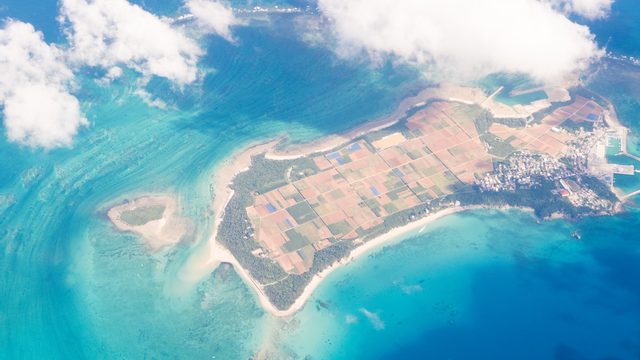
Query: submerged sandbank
column 210, row 255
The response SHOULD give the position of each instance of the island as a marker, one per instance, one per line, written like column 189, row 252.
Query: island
column 296, row 213
column 286, row 216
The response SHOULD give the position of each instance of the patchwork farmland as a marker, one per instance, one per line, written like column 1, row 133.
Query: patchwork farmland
column 434, row 153
column 437, row 152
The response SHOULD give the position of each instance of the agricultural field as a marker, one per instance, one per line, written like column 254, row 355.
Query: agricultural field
column 437, row 152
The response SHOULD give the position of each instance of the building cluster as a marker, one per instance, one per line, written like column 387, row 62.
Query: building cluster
column 582, row 196
column 524, row 170
column 582, row 149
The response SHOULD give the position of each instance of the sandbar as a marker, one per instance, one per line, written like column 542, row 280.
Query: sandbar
column 154, row 217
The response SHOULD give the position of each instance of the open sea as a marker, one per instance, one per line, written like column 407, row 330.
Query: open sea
column 483, row 284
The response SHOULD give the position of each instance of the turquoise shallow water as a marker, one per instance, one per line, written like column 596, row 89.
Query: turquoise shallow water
column 489, row 283
column 78, row 289
column 494, row 283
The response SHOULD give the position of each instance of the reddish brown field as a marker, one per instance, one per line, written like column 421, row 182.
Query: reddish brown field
column 360, row 184
column 449, row 131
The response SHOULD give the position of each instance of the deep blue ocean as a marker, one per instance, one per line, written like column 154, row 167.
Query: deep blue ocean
column 490, row 285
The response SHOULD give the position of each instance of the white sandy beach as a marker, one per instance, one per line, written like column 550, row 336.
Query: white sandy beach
column 369, row 246
column 157, row 234
column 221, row 254
column 360, row 251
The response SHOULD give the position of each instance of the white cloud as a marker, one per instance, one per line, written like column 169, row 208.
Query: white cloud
column 34, row 81
column 108, row 33
column 213, row 17
column 113, row 73
column 466, row 39
column 150, row 100
column 42, row 115
column 590, row 9
column 111, row 34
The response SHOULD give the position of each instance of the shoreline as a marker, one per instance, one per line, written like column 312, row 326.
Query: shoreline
column 356, row 253
column 372, row 245
column 224, row 175
column 444, row 92
column 331, row 141
column 201, row 263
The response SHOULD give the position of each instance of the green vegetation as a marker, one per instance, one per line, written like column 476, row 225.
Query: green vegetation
column 575, row 126
column 285, row 292
column 236, row 234
column 537, row 117
column 394, row 183
column 586, row 93
column 603, row 191
column 337, row 193
column 399, row 126
column 341, row 227
column 141, row 216
column 302, row 212
column 302, row 168
column 483, row 121
column 396, row 220
column 389, row 208
column 296, row 241
column 542, row 199
column 374, row 206
column 496, row 146
column 235, row 231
